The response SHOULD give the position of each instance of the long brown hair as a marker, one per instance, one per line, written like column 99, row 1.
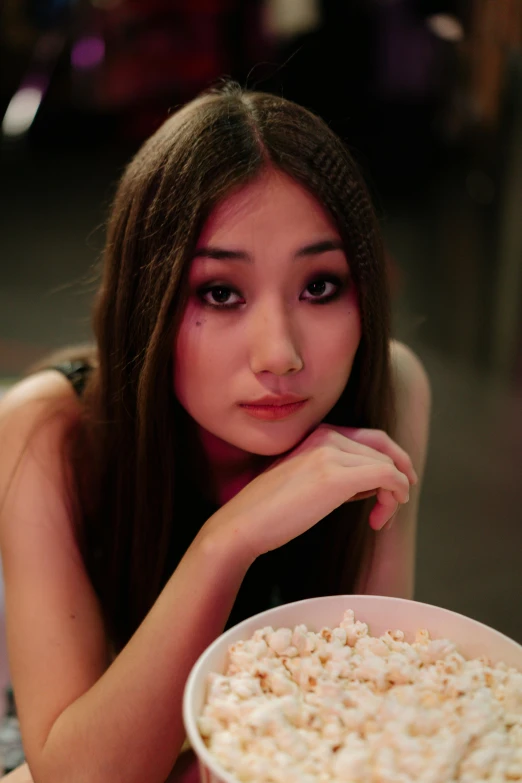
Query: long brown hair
column 136, row 512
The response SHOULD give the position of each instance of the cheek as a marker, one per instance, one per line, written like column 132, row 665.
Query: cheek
column 354, row 327
column 200, row 353
column 338, row 342
column 187, row 350
column 352, row 323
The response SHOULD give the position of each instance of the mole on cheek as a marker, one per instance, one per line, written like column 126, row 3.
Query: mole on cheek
column 198, row 323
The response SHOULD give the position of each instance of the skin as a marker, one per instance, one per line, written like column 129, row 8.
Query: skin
column 277, row 340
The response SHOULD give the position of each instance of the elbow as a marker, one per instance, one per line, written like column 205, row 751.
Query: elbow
column 59, row 764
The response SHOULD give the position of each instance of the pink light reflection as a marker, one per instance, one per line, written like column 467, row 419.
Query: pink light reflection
column 87, row 53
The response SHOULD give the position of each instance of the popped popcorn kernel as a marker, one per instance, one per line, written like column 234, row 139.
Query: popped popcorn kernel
column 422, row 636
column 279, row 641
column 355, row 632
column 296, row 706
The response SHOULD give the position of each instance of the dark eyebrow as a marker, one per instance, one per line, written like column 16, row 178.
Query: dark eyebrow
column 315, row 249
column 220, row 254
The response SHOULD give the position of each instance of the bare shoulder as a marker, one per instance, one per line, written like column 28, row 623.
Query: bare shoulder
column 409, row 375
column 47, row 385
column 35, row 396
column 34, row 412
column 412, row 400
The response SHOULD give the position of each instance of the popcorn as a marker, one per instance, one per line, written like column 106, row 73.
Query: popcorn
column 294, row 706
column 352, row 763
column 280, row 640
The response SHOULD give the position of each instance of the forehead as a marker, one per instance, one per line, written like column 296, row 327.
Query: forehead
column 272, row 207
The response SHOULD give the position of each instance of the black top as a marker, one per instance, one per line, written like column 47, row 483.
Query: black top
column 76, row 372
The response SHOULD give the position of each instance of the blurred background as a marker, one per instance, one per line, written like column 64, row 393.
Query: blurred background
column 427, row 94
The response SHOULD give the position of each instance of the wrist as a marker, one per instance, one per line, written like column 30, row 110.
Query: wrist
column 225, row 543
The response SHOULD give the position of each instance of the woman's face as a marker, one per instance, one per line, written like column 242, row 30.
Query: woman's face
column 271, row 311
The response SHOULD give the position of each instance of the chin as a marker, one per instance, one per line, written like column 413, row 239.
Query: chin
column 260, row 449
column 271, row 452
column 272, row 446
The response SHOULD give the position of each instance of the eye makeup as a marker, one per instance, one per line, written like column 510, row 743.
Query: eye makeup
column 223, row 289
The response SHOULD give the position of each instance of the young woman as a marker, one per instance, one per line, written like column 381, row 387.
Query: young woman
column 243, row 433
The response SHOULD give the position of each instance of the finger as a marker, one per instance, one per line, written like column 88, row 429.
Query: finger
column 351, row 446
column 391, row 520
column 363, row 495
column 379, row 475
column 349, row 460
column 370, row 494
column 353, row 459
column 381, row 442
column 384, row 510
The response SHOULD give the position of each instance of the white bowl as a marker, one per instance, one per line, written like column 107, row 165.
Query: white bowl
column 380, row 612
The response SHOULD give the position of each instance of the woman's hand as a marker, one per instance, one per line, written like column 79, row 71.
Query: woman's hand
column 332, row 466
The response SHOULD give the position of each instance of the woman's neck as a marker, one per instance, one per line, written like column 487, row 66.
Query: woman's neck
column 229, row 468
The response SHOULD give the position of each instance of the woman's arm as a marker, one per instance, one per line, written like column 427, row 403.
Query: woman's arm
column 392, row 568
column 83, row 719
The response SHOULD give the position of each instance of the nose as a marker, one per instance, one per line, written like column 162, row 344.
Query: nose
column 273, row 341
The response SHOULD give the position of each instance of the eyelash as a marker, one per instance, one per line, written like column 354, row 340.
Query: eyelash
column 323, row 279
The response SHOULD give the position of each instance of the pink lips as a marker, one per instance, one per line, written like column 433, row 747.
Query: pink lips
column 273, row 412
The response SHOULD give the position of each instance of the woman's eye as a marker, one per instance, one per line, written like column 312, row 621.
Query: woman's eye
column 220, row 296
column 320, row 290
column 223, row 297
